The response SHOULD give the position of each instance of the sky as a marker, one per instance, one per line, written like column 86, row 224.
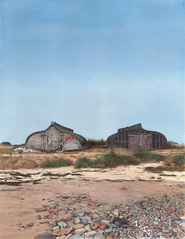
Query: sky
column 92, row 65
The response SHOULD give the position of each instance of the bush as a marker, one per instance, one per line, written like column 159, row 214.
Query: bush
column 112, row 159
column 6, row 143
column 83, row 162
column 98, row 143
column 146, row 156
column 60, row 162
column 179, row 160
column 171, row 145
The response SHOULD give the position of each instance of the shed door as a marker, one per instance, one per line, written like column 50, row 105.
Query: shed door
column 136, row 141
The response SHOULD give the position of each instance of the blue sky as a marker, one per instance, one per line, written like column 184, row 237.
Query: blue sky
column 92, row 65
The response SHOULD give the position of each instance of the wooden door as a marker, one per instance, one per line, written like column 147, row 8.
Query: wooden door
column 136, row 141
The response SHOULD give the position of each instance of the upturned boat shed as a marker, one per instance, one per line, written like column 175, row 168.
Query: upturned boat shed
column 135, row 137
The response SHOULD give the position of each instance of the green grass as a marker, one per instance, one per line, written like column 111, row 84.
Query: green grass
column 146, row 156
column 160, row 169
column 113, row 159
column 109, row 160
column 60, row 162
column 179, row 160
column 83, row 162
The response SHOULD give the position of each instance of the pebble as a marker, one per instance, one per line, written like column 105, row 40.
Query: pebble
column 76, row 237
column 155, row 218
column 89, row 235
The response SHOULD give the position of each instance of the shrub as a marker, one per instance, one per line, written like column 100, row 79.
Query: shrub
column 146, row 156
column 171, row 145
column 60, row 162
column 179, row 160
column 140, row 153
column 95, row 143
column 112, row 159
column 83, row 162
column 6, row 143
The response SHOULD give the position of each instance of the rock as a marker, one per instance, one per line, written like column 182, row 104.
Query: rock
column 99, row 236
column 115, row 213
column 174, row 230
column 57, row 228
column 69, row 229
column 108, row 231
column 144, row 204
column 81, row 214
column 103, row 226
column 105, row 221
column 52, row 211
column 89, row 235
column 61, row 224
column 88, row 228
column 96, row 223
column 94, row 227
column 78, row 226
column 182, row 226
column 70, row 224
column 77, row 220
column 80, row 231
column 156, row 223
column 119, row 221
column 93, row 204
column 123, row 188
column 76, row 237
column 30, row 224
column 62, row 237
column 61, row 232
column 45, row 235
column 86, row 220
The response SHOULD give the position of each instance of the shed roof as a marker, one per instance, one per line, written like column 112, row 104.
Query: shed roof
column 60, row 127
column 133, row 127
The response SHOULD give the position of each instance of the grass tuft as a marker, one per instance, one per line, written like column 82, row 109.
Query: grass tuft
column 160, row 169
column 83, row 162
column 113, row 159
column 146, row 156
column 60, row 162
column 179, row 160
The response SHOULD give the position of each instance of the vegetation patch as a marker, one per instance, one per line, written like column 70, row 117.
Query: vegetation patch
column 95, row 143
column 113, row 159
column 146, row 156
column 60, row 162
column 179, row 160
column 17, row 162
column 172, row 145
column 6, row 143
column 83, row 162
column 160, row 169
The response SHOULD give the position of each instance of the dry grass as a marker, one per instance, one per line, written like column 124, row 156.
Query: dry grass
column 14, row 160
